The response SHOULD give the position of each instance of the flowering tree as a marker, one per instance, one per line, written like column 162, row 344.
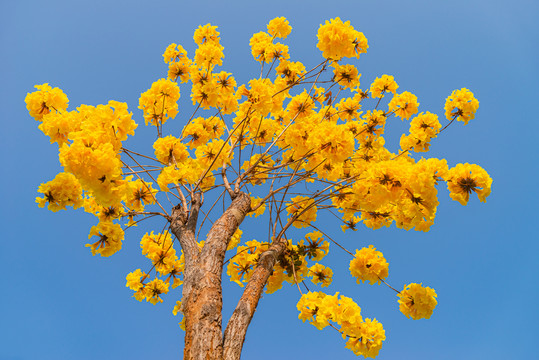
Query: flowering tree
column 290, row 144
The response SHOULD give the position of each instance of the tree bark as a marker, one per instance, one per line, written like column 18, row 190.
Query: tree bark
column 202, row 292
column 241, row 318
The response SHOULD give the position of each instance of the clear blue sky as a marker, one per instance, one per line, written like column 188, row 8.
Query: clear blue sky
column 59, row 302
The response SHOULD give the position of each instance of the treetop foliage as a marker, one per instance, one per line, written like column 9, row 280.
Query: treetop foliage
column 291, row 145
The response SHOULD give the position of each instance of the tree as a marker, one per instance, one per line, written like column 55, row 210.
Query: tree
column 289, row 144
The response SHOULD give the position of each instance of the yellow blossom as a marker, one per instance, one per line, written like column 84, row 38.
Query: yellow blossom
column 45, row 100
column 279, row 27
column 369, row 265
column 64, row 190
column 159, row 103
column 110, row 238
column 466, row 178
column 461, row 104
column 417, row 301
column 134, row 281
column 383, row 85
column 404, row 105
column 321, row 274
column 337, row 40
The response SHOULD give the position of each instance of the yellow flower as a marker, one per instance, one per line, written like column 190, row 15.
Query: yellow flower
column 173, row 53
column 205, row 34
column 64, row 190
column 98, row 169
column 169, row 150
column 290, row 70
column 279, row 27
column 133, row 280
column 215, row 154
column 179, row 69
column 155, row 288
column 158, row 248
column 304, row 209
column 349, row 108
column 404, row 105
column 369, row 342
column 423, row 128
column 139, row 194
column 466, row 178
column 346, row 75
column 417, row 301
column 260, row 43
column 110, row 238
column 369, row 265
column 316, row 248
column 308, row 305
column 234, row 239
column 208, row 55
column 177, row 308
column 45, row 100
column 461, row 104
column 59, row 125
column 320, row 274
column 241, row 266
column 225, row 82
column 337, row 40
column 260, row 210
column 159, row 103
column 383, row 85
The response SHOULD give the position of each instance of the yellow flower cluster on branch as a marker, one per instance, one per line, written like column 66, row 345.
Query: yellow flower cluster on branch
column 337, row 40
column 365, row 337
column 464, row 179
column 159, row 103
column 383, row 85
column 461, row 104
column 64, row 190
column 369, row 265
column 423, row 128
column 110, row 238
column 45, row 101
column 417, row 301
column 303, row 210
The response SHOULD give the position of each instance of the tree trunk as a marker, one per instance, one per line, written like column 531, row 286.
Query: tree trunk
column 241, row 318
column 202, row 292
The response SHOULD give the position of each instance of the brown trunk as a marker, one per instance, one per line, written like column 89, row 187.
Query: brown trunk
column 202, row 293
column 241, row 318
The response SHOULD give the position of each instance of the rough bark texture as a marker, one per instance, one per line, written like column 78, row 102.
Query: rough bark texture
column 202, row 293
column 241, row 318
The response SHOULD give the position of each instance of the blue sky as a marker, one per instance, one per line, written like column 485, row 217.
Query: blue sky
column 59, row 302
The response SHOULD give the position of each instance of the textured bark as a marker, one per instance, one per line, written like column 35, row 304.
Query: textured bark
column 202, row 293
column 241, row 318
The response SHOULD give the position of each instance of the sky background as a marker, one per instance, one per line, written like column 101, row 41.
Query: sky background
column 59, row 302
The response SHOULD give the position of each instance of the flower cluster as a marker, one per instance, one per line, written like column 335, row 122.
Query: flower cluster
column 45, row 101
column 461, row 104
column 303, row 210
column 337, row 40
column 146, row 291
column 369, row 265
column 365, row 337
column 423, row 128
column 404, row 105
column 417, row 301
column 159, row 249
column 464, row 179
column 110, row 238
column 383, row 85
column 64, row 190
column 159, row 103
